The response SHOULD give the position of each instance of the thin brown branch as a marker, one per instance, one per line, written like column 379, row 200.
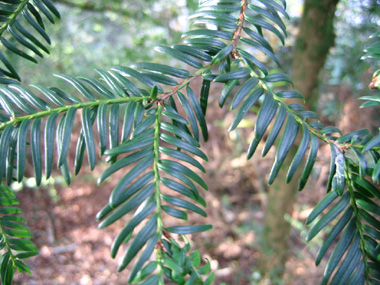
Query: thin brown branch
column 187, row 81
column 239, row 28
column 178, row 87
column 234, row 53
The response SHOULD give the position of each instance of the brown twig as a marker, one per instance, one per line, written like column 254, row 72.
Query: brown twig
column 236, row 37
column 234, row 53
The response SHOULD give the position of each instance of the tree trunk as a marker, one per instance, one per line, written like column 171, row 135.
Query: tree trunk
column 275, row 242
column 316, row 36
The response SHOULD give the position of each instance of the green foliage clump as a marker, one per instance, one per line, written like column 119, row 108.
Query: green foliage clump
column 159, row 146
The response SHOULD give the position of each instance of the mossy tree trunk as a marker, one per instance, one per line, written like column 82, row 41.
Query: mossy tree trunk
column 315, row 38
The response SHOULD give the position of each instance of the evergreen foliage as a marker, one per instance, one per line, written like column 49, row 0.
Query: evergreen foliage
column 159, row 148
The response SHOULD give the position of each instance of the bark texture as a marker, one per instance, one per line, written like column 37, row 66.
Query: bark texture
column 315, row 38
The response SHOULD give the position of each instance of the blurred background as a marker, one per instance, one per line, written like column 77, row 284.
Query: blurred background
column 99, row 34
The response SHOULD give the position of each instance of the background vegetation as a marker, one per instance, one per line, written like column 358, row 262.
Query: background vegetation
column 122, row 33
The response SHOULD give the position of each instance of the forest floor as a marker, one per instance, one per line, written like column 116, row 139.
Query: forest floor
column 74, row 251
